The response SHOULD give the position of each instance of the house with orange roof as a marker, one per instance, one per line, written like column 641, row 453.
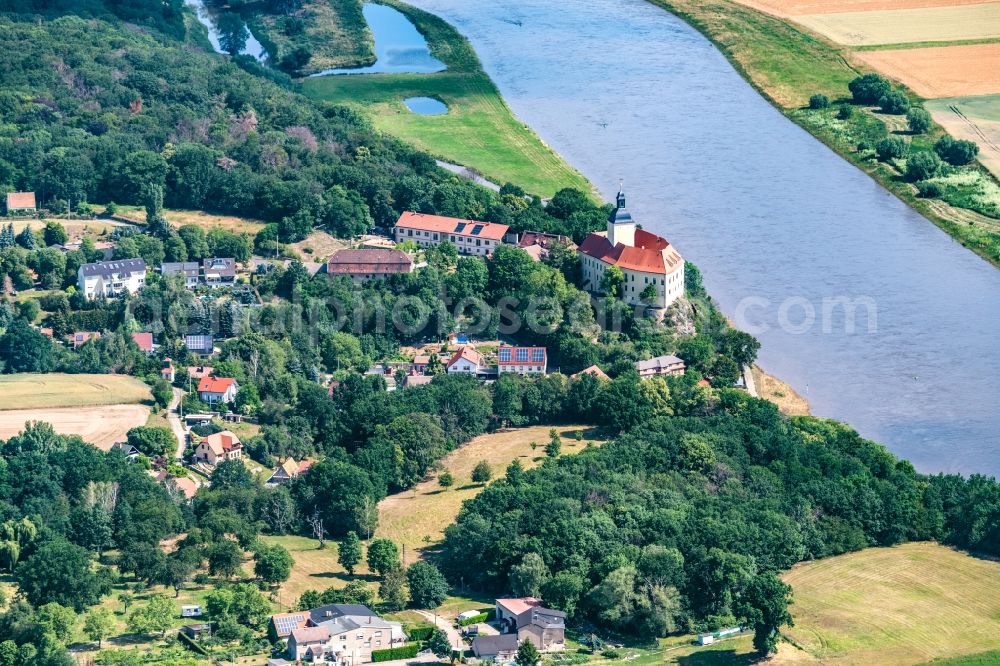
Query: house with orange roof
column 21, row 202
column 592, row 370
column 522, row 360
column 215, row 390
column 167, row 370
column 144, row 341
column 81, row 337
column 468, row 236
column 182, row 485
column 288, row 470
column 217, row 447
column 648, row 262
column 530, row 621
column 465, row 361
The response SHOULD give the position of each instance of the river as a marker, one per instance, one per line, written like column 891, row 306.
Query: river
column 622, row 89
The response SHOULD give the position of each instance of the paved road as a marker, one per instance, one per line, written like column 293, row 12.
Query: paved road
column 175, row 423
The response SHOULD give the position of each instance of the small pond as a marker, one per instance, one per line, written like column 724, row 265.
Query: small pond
column 209, row 17
column 399, row 46
column 426, row 106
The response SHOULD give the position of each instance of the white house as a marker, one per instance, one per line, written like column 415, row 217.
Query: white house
column 660, row 365
column 110, row 278
column 189, row 269
column 219, row 446
column 469, row 236
column 465, row 361
column 645, row 259
column 217, row 389
column 522, row 360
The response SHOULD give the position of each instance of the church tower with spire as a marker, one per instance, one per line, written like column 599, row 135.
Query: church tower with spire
column 621, row 226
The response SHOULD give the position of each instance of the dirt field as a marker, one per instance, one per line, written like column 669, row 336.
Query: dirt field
column 787, row 8
column 410, row 517
column 102, row 425
column 927, row 24
column 204, row 220
column 75, row 229
column 321, row 244
column 37, row 391
column 904, row 605
column 941, row 71
column 973, row 118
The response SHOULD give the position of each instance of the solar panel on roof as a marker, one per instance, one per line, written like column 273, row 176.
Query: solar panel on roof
column 537, row 355
column 459, row 227
column 476, row 229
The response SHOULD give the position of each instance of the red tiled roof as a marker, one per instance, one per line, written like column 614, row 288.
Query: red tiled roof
column 18, row 200
column 593, row 370
column 647, row 255
column 319, row 634
column 518, row 606
column 144, row 341
column 449, row 225
column 349, row 262
column 469, row 354
column 215, row 384
column 197, row 372
column 529, row 361
column 222, row 441
column 186, row 486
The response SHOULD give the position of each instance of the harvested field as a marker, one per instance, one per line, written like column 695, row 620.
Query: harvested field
column 900, row 26
column 102, row 425
column 904, row 605
column 941, row 71
column 206, row 221
column 318, row 246
column 38, row 391
column 75, row 229
column 973, row 118
column 800, row 7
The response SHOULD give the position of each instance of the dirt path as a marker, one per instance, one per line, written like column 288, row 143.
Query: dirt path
column 175, row 423
column 446, row 627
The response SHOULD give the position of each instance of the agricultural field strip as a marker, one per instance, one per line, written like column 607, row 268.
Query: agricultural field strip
column 790, row 8
column 897, row 26
column 946, row 71
column 975, row 119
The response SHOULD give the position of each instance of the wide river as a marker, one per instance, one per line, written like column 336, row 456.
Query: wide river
column 775, row 220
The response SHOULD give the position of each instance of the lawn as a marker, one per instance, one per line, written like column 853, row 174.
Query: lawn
column 479, row 129
column 416, row 518
column 39, row 391
column 904, row 605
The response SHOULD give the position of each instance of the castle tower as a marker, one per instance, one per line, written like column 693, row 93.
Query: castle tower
column 621, row 226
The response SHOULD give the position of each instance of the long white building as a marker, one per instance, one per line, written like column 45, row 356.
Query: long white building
column 469, row 236
column 110, row 278
column 644, row 258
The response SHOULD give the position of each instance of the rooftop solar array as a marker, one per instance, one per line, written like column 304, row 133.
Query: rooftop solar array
column 505, row 355
column 285, row 625
column 537, row 355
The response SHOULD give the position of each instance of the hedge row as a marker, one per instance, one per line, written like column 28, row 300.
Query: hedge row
column 190, row 644
column 407, row 651
column 420, row 633
column 475, row 619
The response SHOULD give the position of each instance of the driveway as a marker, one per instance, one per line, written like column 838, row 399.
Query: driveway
column 175, row 423
column 446, row 626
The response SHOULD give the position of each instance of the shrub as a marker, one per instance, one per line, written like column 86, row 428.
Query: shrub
column 611, row 654
column 408, row 651
column 845, row 111
column 475, row 619
column 819, row 102
column 918, row 120
column 869, row 89
column 419, row 634
column 956, row 152
column 894, row 102
column 922, row 166
column 928, row 190
column 891, row 147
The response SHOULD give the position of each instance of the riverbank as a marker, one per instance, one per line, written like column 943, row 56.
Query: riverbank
column 788, row 400
column 478, row 131
column 787, row 66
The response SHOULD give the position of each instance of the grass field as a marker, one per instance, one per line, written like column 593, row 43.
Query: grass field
column 75, row 229
column 898, row 26
column 479, row 129
column 417, row 518
column 204, row 220
column 800, row 7
column 973, row 118
column 941, row 71
column 904, row 605
column 40, row 391
column 334, row 32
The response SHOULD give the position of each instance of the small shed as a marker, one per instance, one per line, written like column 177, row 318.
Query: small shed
column 196, row 631
column 706, row 639
column 191, row 611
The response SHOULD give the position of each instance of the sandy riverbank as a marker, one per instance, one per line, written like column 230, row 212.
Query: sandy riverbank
column 780, row 393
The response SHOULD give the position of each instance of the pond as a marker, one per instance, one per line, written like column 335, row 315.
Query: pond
column 426, row 106
column 209, row 17
column 399, row 46
column 780, row 225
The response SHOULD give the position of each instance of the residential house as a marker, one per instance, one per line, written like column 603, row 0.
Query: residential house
column 218, row 271
column 189, row 269
column 167, row 370
column 21, row 202
column 420, row 363
column 648, row 262
column 465, row 361
column 110, row 278
column 81, row 337
column 127, row 449
column 661, row 365
column 200, row 344
column 413, row 379
column 144, row 341
column 288, row 470
column 181, row 485
column 215, row 390
column 537, row 244
column 364, row 265
column 529, row 620
column 468, row 236
column 592, row 370
column 199, row 371
column 218, row 447
column 500, row 649
column 336, row 633
column 522, row 360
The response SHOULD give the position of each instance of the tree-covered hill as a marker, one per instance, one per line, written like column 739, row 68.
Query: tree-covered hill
column 686, row 521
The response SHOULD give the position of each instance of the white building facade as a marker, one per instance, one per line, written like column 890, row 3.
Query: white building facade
column 468, row 236
column 110, row 278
